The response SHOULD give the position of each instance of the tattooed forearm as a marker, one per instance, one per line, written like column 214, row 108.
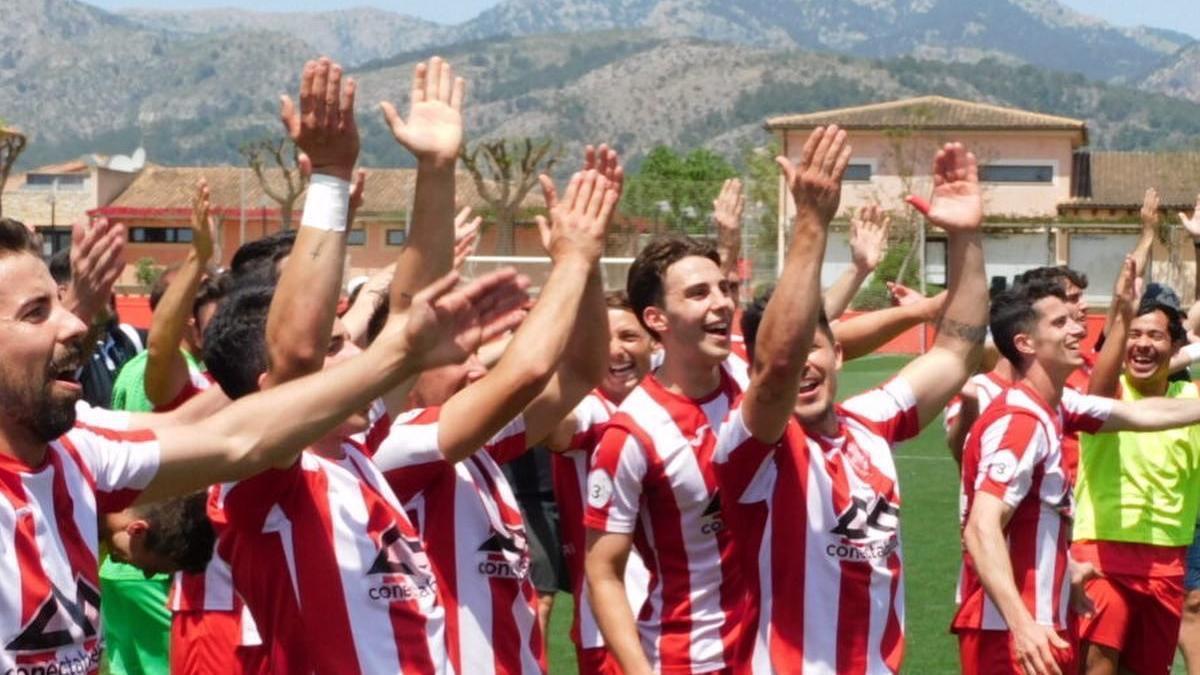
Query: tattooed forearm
column 970, row 333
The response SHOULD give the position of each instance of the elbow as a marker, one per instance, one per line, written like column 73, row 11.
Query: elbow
column 296, row 360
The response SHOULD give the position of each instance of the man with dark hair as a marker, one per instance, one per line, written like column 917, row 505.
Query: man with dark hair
column 1138, row 494
column 57, row 478
column 831, row 594
column 1018, row 494
column 166, row 536
column 263, row 257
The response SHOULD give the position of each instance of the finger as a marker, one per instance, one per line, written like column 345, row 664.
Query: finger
column 416, row 93
column 304, row 162
column 432, row 78
column 740, row 206
column 287, row 115
column 306, row 92
column 597, row 197
column 1057, row 642
column 502, row 299
column 843, row 161
column 549, row 192
column 446, row 83
column 437, row 289
column 333, row 96
column 458, row 94
column 918, row 203
column 939, row 167
column 819, row 152
column 583, row 196
column 572, row 190
column 543, row 226
column 612, row 195
column 837, row 145
column 392, row 118
column 788, row 169
column 589, row 157
column 346, row 111
column 463, row 214
column 499, row 325
column 810, row 146
column 618, row 180
column 482, row 286
column 320, row 82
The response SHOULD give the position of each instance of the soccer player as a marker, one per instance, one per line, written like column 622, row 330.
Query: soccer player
column 56, row 478
column 1013, row 612
column 809, row 488
column 443, row 457
column 574, row 442
column 1137, row 496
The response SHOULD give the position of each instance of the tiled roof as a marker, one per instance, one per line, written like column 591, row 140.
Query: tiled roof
column 388, row 191
column 1120, row 179
column 930, row 112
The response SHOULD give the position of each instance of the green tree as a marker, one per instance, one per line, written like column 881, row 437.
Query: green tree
column 674, row 191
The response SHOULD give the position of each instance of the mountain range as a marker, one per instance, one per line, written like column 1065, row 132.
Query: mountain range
column 191, row 86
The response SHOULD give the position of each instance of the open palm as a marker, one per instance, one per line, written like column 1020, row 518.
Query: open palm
column 957, row 202
column 445, row 325
column 434, row 128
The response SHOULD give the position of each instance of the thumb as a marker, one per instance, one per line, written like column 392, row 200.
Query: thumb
column 391, row 117
column 305, row 164
column 287, row 115
column 918, row 203
column 1056, row 640
column 544, row 230
column 785, row 164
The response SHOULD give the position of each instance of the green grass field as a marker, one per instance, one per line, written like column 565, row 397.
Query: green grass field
column 930, row 536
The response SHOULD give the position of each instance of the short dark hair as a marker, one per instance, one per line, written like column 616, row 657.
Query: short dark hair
column 60, row 266
column 618, row 300
column 645, row 281
column 752, row 317
column 180, row 531
column 1057, row 274
column 1012, row 313
column 16, row 238
column 235, row 341
column 212, row 288
column 259, row 257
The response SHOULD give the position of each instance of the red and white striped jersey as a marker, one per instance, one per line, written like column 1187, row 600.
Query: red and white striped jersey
column 987, row 387
column 197, row 382
column 331, row 568
column 815, row 523
column 90, row 415
column 1014, row 453
column 50, row 598
column 652, row 476
column 570, row 485
column 471, row 525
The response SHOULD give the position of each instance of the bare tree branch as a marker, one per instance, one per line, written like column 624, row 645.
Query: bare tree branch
column 12, row 143
column 270, row 151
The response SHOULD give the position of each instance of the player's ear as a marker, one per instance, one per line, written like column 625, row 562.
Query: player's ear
column 1024, row 343
column 655, row 318
column 837, row 355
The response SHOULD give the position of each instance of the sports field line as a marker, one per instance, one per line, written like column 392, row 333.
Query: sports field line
column 924, row 458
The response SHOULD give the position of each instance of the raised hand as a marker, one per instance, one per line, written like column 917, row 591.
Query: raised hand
column 434, row 129
column 202, row 223
column 97, row 259
column 728, row 207
column 1192, row 224
column 357, row 188
column 1126, row 290
column 957, row 202
column 816, row 182
column 466, row 234
column 580, row 220
column 324, row 129
column 1149, row 212
column 868, row 237
column 445, row 325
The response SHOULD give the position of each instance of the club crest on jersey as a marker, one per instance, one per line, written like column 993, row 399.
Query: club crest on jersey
column 599, row 489
column 504, row 555
column 405, row 569
column 711, row 521
column 60, row 622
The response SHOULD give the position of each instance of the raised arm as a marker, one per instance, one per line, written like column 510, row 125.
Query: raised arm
column 586, row 357
column 790, row 320
column 166, row 368
column 1152, row 414
column 867, row 332
column 433, row 133
column 957, row 207
column 577, row 226
column 97, row 259
column 1107, row 372
column 868, row 240
column 442, row 326
column 1192, row 225
column 300, row 321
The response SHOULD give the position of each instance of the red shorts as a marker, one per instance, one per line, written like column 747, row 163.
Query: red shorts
column 989, row 652
column 596, row 661
column 203, row 643
column 1137, row 616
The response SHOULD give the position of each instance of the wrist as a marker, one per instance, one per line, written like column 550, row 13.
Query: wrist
column 574, row 260
column 345, row 173
column 326, row 203
column 436, row 163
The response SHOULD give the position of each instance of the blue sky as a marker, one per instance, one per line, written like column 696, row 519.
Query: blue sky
column 1180, row 15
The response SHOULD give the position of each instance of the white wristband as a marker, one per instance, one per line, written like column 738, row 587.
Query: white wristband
column 327, row 203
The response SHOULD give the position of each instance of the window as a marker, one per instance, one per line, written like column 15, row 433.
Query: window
column 858, row 172
column 397, row 237
column 47, row 181
column 356, row 237
column 160, row 235
column 1016, row 173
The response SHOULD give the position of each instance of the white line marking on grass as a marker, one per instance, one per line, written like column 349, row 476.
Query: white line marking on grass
column 924, row 458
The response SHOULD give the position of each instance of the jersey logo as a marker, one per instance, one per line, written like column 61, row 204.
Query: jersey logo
column 60, row 621
column 868, row 530
column 710, row 520
column 405, row 569
column 599, row 489
column 504, row 555
column 395, row 552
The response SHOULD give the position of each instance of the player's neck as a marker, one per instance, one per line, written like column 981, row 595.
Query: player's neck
column 19, row 443
column 693, row 378
column 1155, row 385
column 1047, row 384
